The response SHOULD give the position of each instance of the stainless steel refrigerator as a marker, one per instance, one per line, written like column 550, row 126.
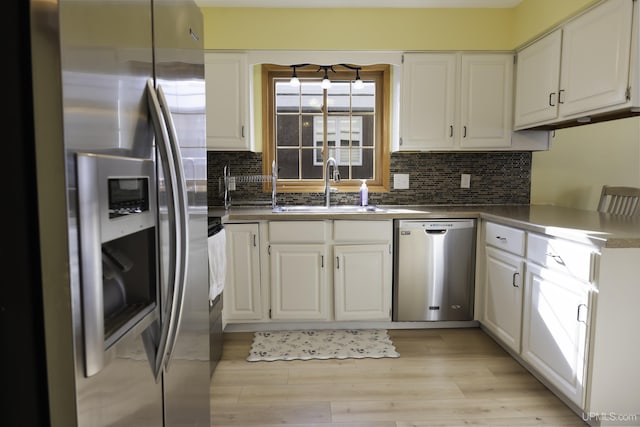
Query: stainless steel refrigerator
column 114, row 301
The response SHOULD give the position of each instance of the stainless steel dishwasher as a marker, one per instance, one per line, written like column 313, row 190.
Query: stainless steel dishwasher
column 434, row 269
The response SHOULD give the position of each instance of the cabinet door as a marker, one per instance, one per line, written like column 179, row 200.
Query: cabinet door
column 556, row 310
column 428, row 101
column 299, row 289
column 242, row 288
column 486, row 101
column 362, row 282
column 595, row 58
column 503, row 296
column 226, row 77
column 538, row 81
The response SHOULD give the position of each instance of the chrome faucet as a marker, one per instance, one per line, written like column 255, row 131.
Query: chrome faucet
column 331, row 162
column 274, row 183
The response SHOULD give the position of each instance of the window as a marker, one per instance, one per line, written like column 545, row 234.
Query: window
column 300, row 134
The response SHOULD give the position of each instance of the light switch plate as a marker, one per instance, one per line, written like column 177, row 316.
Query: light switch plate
column 465, row 180
column 401, row 181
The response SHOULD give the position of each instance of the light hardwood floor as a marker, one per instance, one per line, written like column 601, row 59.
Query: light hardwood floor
column 443, row 377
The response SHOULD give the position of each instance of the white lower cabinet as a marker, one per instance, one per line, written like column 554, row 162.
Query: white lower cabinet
column 362, row 282
column 504, row 273
column 317, row 270
column 299, row 289
column 242, row 292
column 539, row 293
column 554, row 329
column 362, row 277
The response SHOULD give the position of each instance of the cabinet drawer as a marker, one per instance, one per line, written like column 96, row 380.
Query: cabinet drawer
column 362, row 231
column 298, row 231
column 506, row 238
column 562, row 255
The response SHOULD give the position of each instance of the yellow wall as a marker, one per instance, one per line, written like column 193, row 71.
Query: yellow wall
column 584, row 158
column 534, row 17
column 358, row 29
column 383, row 28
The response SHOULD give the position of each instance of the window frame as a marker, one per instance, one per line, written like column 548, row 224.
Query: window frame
column 382, row 75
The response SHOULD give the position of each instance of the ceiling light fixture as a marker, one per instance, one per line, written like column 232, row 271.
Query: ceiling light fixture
column 295, row 82
column 358, row 84
column 326, row 83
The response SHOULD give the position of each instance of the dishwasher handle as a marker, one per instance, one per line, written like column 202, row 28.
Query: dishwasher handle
column 435, row 231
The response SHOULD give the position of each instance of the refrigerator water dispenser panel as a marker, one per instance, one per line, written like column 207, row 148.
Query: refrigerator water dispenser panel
column 117, row 233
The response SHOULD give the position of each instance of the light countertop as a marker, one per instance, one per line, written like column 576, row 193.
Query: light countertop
column 585, row 226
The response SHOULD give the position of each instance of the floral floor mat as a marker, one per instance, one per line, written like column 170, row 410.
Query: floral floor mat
column 321, row 344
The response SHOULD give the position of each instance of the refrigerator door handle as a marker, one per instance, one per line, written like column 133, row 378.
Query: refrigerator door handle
column 181, row 190
column 174, row 273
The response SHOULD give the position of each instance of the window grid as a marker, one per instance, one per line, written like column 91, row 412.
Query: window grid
column 348, row 149
column 298, row 172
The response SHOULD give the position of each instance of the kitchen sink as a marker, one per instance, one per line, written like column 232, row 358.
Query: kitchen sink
column 324, row 209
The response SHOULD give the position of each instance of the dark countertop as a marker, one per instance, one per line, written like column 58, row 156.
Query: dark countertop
column 591, row 227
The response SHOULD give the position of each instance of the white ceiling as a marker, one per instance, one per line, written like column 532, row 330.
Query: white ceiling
column 361, row 3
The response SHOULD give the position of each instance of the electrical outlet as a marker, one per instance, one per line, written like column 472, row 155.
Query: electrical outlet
column 401, row 181
column 465, row 180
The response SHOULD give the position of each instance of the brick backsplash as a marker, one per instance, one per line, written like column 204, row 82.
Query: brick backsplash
column 434, row 179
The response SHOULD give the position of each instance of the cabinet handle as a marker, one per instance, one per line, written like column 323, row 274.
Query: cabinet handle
column 450, row 131
column 464, row 134
column 254, row 241
column 242, row 131
column 578, row 315
column 338, row 262
column 513, row 280
column 560, row 99
column 321, row 261
column 592, row 266
column 556, row 258
column 551, row 96
column 502, row 239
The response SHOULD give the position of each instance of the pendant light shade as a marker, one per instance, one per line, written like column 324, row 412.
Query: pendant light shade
column 358, row 84
column 326, row 83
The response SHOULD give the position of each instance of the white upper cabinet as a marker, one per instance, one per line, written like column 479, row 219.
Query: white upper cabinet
column 580, row 71
column 226, row 79
column 595, row 59
column 537, row 82
column 428, row 107
column 460, row 101
column 485, row 101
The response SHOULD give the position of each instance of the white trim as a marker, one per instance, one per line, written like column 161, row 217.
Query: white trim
column 323, row 57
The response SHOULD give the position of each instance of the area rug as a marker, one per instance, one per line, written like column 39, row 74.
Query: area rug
column 321, row 344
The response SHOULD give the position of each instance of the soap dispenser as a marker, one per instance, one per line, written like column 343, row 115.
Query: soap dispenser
column 364, row 193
